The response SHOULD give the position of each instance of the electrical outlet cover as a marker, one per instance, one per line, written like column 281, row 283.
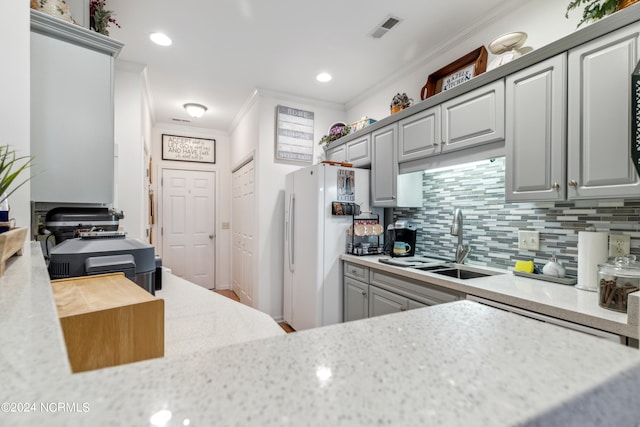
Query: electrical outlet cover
column 529, row 240
column 619, row 245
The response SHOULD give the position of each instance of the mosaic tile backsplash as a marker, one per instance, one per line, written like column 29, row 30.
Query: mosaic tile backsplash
column 491, row 225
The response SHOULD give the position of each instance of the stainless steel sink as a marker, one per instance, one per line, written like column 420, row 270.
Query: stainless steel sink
column 461, row 274
column 458, row 271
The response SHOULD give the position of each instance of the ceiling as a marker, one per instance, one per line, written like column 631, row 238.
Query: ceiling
column 224, row 49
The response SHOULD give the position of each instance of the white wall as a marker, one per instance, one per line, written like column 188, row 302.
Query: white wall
column 14, row 101
column 130, row 194
column 542, row 20
column 222, row 167
column 255, row 134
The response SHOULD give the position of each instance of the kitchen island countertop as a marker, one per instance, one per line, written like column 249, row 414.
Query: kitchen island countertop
column 454, row 364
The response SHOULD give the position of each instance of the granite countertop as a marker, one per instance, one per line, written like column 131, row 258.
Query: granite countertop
column 197, row 319
column 454, row 364
column 551, row 299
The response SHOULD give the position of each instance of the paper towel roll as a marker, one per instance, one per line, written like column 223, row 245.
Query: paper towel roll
column 592, row 250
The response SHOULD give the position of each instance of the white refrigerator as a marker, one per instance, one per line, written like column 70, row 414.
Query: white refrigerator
column 315, row 239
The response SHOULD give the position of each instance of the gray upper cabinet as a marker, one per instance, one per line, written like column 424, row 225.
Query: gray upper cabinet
column 337, row 154
column 535, row 132
column 475, row 118
column 384, row 166
column 357, row 152
column 419, row 135
column 599, row 163
column 71, row 112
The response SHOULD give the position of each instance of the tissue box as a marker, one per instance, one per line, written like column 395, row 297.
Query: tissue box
column 362, row 123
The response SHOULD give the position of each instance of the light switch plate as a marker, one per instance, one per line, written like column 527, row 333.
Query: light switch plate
column 529, row 240
column 619, row 245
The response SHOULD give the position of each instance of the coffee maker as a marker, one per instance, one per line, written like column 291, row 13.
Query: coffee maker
column 402, row 238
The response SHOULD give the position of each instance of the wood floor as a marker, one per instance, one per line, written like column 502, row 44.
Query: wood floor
column 232, row 295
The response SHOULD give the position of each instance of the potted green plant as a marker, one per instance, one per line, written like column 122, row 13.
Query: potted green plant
column 100, row 18
column 597, row 9
column 11, row 166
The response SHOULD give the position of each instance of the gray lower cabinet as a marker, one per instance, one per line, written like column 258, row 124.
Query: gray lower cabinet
column 384, row 166
column 356, row 299
column 384, row 302
column 599, row 163
column 369, row 292
column 536, row 132
column 475, row 118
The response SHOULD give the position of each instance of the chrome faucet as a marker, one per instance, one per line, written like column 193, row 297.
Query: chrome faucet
column 456, row 230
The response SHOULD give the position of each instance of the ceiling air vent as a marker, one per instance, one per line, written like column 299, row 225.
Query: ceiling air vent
column 385, row 27
column 181, row 120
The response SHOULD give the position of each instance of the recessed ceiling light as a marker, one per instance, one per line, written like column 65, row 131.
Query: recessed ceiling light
column 323, row 77
column 160, row 39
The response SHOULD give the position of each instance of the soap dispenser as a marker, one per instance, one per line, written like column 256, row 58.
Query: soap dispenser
column 553, row 268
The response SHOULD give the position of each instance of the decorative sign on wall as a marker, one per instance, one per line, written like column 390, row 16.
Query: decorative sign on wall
column 294, row 134
column 186, row 149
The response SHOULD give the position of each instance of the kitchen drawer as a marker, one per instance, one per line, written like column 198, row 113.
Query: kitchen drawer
column 356, row 271
column 425, row 293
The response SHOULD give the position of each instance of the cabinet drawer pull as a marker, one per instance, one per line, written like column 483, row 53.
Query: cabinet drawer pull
column 403, row 309
column 354, row 271
column 573, row 183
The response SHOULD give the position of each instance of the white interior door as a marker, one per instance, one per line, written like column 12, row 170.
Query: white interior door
column 242, row 212
column 188, row 225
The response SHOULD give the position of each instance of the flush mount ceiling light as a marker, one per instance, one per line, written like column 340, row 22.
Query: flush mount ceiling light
column 323, row 77
column 195, row 110
column 160, row 39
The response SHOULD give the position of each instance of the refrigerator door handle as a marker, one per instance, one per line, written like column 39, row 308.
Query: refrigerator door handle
column 292, row 203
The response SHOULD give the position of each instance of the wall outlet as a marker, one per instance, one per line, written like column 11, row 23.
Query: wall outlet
column 529, row 240
column 619, row 245
column 226, row 225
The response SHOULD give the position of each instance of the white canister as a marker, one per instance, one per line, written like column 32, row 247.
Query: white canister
column 592, row 250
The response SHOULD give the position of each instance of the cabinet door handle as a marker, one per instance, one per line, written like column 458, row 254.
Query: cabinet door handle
column 435, row 144
column 403, row 309
column 573, row 183
column 555, row 186
column 364, row 294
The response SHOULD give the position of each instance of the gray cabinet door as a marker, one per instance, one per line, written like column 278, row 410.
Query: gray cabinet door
column 412, row 305
column 475, row 118
column 383, row 302
column 359, row 151
column 384, row 166
column 356, row 300
column 71, row 122
column 535, row 132
column 599, row 163
column 337, row 154
column 419, row 135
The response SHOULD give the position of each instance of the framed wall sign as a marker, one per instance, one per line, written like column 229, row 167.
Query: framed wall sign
column 187, row 149
column 459, row 71
column 294, row 134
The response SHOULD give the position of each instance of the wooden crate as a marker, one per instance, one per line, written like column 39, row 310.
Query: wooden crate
column 11, row 243
column 108, row 320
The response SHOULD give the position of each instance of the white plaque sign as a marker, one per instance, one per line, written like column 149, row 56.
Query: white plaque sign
column 186, row 149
